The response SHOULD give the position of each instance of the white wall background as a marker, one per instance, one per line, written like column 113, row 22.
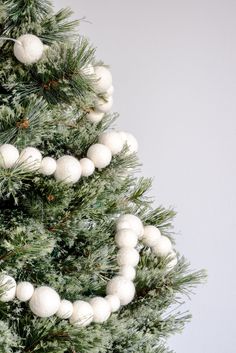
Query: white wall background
column 174, row 68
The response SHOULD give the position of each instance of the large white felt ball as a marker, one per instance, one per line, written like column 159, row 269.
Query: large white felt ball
column 7, row 288
column 101, row 309
column 112, row 140
column 114, row 302
column 82, row 314
column 129, row 221
column 151, row 236
column 126, row 238
column 65, row 309
column 24, row 291
column 87, row 167
column 128, row 256
column 68, row 169
column 8, row 155
column 104, row 78
column 128, row 272
column 104, row 106
column 95, row 116
column 163, row 247
column 123, row 288
column 45, row 302
column 28, row 49
column 48, row 166
column 30, row 158
column 100, row 155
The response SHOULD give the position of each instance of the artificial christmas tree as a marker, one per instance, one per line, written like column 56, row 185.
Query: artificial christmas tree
column 87, row 265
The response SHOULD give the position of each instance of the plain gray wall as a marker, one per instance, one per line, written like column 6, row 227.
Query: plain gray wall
column 174, row 68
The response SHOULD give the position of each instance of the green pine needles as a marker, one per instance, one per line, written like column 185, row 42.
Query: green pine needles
column 62, row 235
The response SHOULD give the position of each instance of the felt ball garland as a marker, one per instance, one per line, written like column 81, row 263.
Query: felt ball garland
column 45, row 302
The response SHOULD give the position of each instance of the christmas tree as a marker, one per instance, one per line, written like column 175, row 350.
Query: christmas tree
column 88, row 265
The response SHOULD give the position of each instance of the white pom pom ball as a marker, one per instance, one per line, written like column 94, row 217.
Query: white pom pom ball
column 8, row 155
column 128, row 272
column 104, row 78
column 30, row 158
column 113, row 141
column 110, row 91
column 101, row 309
column 68, row 169
column 95, row 116
column 173, row 261
column 129, row 221
column 123, row 288
column 128, row 256
column 65, row 309
column 163, row 247
column 104, row 106
column 114, row 302
column 7, row 288
column 28, row 49
column 132, row 143
column 88, row 70
column 45, row 302
column 24, row 291
column 100, row 155
column 48, row 166
column 87, row 167
column 126, row 238
column 82, row 314
column 151, row 236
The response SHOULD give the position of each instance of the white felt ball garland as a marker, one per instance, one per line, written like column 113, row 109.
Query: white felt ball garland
column 28, row 49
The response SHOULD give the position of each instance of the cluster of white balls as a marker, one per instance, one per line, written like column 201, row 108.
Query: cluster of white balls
column 45, row 302
column 67, row 168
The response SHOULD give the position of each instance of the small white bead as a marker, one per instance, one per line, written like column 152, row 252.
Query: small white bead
column 95, row 116
column 100, row 155
column 128, row 256
column 65, row 309
column 104, row 78
column 101, row 309
column 48, row 166
column 129, row 221
column 104, row 106
column 163, row 247
column 126, row 238
column 151, row 236
column 8, row 286
column 87, row 167
column 24, row 291
column 29, row 50
column 8, row 156
column 114, row 302
column 45, row 302
column 82, row 314
column 30, row 158
column 112, row 140
column 128, row 272
column 68, row 169
column 123, row 288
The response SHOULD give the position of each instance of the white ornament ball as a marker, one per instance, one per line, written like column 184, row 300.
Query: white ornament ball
column 68, row 169
column 45, row 302
column 110, row 91
column 173, row 260
column 128, row 256
column 48, row 166
column 112, row 140
column 65, row 309
column 104, row 106
column 123, row 288
column 128, row 272
column 129, row 221
column 7, row 288
column 101, row 309
column 8, row 155
column 126, row 238
column 132, row 143
column 30, row 158
column 88, row 70
column 95, row 116
column 104, row 78
column 163, row 247
column 151, row 236
column 87, row 167
column 100, row 155
column 82, row 314
column 114, row 302
column 28, row 49
column 24, row 291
